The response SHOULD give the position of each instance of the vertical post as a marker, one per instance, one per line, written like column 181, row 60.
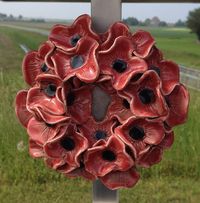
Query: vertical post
column 104, row 13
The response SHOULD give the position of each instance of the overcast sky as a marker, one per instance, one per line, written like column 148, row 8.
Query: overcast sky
column 168, row 12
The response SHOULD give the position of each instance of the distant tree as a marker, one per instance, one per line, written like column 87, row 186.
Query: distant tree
column 20, row 17
column 11, row 17
column 155, row 21
column 180, row 23
column 131, row 21
column 162, row 24
column 193, row 21
column 147, row 22
column 2, row 15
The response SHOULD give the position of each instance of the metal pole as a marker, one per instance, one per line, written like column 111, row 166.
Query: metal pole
column 104, row 13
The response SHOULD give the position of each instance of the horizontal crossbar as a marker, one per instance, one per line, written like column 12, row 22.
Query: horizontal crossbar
column 123, row 1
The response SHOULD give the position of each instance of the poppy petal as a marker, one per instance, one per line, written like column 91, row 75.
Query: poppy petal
column 31, row 67
column 167, row 141
column 41, row 132
column 143, row 42
column 120, row 179
column 116, row 30
column 59, row 165
column 169, row 74
column 151, row 157
column 20, row 108
column 35, row 149
column 38, row 99
column 178, row 102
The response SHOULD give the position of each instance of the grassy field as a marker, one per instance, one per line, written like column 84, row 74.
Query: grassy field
column 175, row 180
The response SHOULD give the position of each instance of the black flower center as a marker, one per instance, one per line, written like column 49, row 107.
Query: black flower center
column 119, row 65
column 99, row 134
column 167, row 101
column 156, row 69
column 77, row 61
column 44, row 68
column 82, row 165
column 74, row 39
column 108, row 155
column 126, row 104
column 136, row 77
column 136, row 133
column 70, row 99
column 68, row 143
column 50, row 90
column 50, row 125
column 146, row 96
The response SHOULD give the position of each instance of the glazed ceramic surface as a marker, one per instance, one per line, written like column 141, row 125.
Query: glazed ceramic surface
column 100, row 106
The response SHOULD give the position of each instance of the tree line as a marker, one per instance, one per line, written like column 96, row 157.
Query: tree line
column 155, row 21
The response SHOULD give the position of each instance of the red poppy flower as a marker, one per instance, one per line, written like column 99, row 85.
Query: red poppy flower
column 80, row 63
column 145, row 97
column 38, row 62
column 59, row 165
column 169, row 75
column 67, row 147
column 120, row 179
column 80, row 172
column 143, row 43
column 78, row 102
column 178, row 102
column 168, row 140
column 95, row 131
column 115, row 30
column 168, row 71
column 150, row 157
column 119, row 108
column 39, row 133
column 140, row 134
column 105, row 157
column 45, row 99
column 20, row 108
column 66, row 37
column 119, row 63
column 154, row 57
column 153, row 155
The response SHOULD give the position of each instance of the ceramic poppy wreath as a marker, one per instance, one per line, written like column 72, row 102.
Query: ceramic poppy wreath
column 100, row 106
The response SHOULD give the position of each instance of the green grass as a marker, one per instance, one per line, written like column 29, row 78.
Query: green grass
column 22, row 179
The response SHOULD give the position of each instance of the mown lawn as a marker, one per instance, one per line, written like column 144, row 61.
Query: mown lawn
column 22, row 179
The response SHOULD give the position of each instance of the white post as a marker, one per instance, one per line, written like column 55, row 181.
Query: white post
column 104, row 13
